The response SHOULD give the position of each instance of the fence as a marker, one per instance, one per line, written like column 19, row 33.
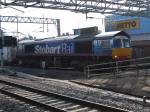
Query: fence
column 117, row 67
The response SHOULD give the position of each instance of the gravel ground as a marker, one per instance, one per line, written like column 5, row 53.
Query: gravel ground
column 8, row 104
column 51, row 73
column 75, row 90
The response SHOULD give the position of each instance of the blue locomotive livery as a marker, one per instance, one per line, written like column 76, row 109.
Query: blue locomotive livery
column 77, row 50
column 115, row 44
column 54, row 48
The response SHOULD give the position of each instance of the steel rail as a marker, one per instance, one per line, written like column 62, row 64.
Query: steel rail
column 33, row 102
column 82, row 103
column 111, row 89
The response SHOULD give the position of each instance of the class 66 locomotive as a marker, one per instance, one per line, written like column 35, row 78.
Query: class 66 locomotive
column 85, row 47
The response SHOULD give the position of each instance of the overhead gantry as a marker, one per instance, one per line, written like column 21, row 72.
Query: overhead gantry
column 121, row 7
column 37, row 20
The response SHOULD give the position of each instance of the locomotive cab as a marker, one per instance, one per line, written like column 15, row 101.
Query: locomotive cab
column 114, row 45
column 121, row 48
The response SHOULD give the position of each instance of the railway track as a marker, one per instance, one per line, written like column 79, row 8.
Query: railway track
column 52, row 101
column 16, row 105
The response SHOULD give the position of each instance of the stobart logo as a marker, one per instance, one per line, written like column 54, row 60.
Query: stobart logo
column 46, row 49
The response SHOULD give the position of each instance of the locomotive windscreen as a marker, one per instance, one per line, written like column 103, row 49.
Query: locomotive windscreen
column 121, row 42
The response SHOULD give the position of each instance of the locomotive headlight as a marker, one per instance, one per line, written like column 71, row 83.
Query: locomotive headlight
column 116, row 57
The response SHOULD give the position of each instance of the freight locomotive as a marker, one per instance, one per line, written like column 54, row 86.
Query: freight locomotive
column 83, row 48
column 8, row 49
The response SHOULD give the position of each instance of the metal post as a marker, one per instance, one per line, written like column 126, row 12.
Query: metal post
column 43, row 66
column 144, row 100
column 43, row 23
column 58, row 27
column 138, row 71
column 17, row 28
column 0, row 4
column 85, row 71
column 47, row 27
column 117, row 67
column 88, row 72
column 54, row 61
column 2, row 43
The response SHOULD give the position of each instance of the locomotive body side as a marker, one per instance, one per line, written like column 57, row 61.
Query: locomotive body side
column 102, row 47
column 50, row 47
column 49, row 50
column 76, row 51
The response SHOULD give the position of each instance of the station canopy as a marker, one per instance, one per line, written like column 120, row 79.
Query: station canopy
column 119, row 7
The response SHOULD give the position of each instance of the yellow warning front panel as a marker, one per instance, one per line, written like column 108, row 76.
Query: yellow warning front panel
column 122, row 52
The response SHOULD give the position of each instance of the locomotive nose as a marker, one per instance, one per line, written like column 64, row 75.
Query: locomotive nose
column 121, row 53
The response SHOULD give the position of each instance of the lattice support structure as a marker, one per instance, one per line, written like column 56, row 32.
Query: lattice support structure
column 121, row 7
column 18, row 19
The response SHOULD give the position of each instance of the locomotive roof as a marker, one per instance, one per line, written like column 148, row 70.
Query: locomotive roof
column 61, row 38
column 84, row 38
column 26, row 41
column 112, row 34
column 105, row 35
column 70, row 37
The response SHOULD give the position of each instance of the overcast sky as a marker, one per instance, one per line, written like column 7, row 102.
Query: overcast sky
column 68, row 21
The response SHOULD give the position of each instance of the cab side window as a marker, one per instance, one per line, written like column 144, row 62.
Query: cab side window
column 117, row 43
column 97, row 43
column 105, row 44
